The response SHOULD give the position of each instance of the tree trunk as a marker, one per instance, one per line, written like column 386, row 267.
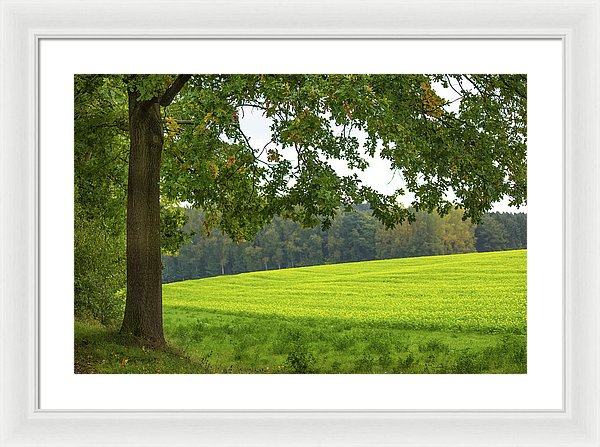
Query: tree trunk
column 143, row 307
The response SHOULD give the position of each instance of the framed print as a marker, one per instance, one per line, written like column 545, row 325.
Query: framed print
column 293, row 380
column 44, row 48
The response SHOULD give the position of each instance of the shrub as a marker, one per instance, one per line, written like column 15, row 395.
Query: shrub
column 99, row 276
column 300, row 360
column 364, row 364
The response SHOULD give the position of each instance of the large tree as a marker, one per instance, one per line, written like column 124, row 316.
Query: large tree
column 187, row 143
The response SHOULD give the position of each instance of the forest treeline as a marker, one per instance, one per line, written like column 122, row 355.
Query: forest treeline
column 353, row 236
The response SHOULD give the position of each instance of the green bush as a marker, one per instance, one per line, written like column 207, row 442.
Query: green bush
column 300, row 360
column 100, row 272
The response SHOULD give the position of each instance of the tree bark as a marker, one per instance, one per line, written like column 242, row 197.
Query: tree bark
column 143, row 307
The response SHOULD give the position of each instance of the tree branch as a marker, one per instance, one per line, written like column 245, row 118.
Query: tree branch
column 173, row 89
column 460, row 95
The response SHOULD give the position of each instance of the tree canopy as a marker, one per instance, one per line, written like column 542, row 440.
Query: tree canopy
column 477, row 152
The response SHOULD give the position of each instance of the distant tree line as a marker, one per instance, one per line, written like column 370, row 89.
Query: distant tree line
column 353, row 236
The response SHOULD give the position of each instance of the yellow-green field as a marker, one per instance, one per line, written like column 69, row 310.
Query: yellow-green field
column 443, row 314
column 483, row 292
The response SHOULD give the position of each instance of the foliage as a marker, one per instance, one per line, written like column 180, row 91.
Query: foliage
column 478, row 152
column 353, row 236
column 99, row 271
column 300, row 361
column 502, row 231
column 427, row 235
column 100, row 195
column 172, row 233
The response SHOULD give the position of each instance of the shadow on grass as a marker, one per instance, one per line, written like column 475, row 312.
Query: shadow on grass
column 101, row 350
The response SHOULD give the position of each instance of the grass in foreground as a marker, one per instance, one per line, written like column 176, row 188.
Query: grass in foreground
column 101, row 350
column 445, row 314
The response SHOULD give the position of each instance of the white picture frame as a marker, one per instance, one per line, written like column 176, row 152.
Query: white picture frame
column 25, row 22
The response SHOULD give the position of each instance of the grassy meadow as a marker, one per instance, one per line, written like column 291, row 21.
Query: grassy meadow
column 440, row 314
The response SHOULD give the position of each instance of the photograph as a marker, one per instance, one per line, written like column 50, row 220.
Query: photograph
column 344, row 223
